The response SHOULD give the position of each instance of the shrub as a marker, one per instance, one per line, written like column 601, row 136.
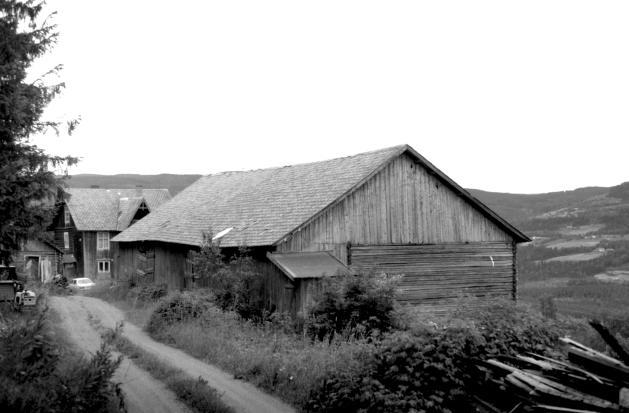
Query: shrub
column 34, row 378
column 509, row 329
column 354, row 306
column 431, row 371
column 234, row 282
column 152, row 293
column 177, row 307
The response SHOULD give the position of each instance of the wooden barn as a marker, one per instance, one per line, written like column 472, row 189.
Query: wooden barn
column 388, row 210
column 87, row 219
column 38, row 260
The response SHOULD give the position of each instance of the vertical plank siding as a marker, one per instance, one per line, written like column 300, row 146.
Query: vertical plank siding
column 170, row 264
column 87, row 261
column 434, row 274
column 402, row 204
column 405, row 220
column 279, row 291
column 164, row 263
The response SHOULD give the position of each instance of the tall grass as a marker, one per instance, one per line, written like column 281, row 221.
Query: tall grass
column 266, row 355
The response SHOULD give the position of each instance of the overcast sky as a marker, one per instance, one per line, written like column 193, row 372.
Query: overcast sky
column 529, row 96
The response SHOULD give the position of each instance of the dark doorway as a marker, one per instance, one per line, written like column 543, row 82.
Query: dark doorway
column 31, row 268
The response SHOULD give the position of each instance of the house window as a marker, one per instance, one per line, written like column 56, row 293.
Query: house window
column 103, row 266
column 66, row 240
column 66, row 216
column 102, row 241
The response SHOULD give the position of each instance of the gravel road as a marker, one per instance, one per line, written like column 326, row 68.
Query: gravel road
column 143, row 394
column 242, row 396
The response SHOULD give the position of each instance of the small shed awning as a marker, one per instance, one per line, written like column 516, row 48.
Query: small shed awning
column 68, row 258
column 297, row 265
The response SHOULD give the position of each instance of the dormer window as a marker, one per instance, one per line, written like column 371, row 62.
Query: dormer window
column 66, row 216
column 141, row 212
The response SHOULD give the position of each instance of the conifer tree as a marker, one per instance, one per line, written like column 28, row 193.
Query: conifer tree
column 27, row 185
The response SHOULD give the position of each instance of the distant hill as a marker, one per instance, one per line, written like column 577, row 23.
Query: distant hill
column 174, row 183
column 528, row 212
column 519, row 208
column 557, row 212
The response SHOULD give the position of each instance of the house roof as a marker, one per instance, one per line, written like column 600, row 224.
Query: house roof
column 297, row 265
column 32, row 244
column 264, row 206
column 98, row 209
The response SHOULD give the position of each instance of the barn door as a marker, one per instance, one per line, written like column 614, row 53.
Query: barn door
column 435, row 274
column 145, row 271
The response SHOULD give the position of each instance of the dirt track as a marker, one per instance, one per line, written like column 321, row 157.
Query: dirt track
column 242, row 396
column 142, row 392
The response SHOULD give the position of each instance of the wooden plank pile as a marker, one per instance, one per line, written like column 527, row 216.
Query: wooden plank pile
column 588, row 381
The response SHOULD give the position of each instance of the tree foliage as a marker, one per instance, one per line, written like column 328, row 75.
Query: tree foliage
column 353, row 306
column 27, row 185
column 233, row 280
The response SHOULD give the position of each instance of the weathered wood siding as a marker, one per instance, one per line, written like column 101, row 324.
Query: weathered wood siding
column 170, row 264
column 279, row 291
column 402, row 204
column 405, row 220
column 87, row 260
column 438, row 274
column 164, row 263
column 49, row 259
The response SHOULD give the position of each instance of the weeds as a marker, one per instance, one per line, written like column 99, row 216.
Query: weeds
column 268, row 355
column 37, row 376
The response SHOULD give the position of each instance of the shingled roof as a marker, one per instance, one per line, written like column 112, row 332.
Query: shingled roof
column 263, row 206
column 97, row 209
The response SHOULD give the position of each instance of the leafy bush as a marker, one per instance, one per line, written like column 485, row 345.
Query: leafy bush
column 178, row 307
column 354, row 306
column 431, row 370
column 234, row 282
column 34, row 378
column 152, row 292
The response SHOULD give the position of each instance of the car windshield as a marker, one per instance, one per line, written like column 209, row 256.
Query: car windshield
column 83, row 281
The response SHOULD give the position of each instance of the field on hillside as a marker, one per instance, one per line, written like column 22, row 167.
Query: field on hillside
column 579, row 257
column 580, row 246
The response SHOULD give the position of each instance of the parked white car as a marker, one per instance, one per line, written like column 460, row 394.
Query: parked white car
column 81, row 284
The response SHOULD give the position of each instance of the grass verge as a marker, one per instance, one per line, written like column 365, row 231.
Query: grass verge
column 278, row 361
column 196, row 394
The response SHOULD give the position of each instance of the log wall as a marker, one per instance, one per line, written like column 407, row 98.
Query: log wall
column 440, row 274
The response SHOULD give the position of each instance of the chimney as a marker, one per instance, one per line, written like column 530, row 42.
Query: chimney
column 138, row 190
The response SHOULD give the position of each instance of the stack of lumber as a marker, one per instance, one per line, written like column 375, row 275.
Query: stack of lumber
column 588, row 381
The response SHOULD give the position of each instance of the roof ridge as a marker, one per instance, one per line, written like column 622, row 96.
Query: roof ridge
column 116, row 189
column 389, row 148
